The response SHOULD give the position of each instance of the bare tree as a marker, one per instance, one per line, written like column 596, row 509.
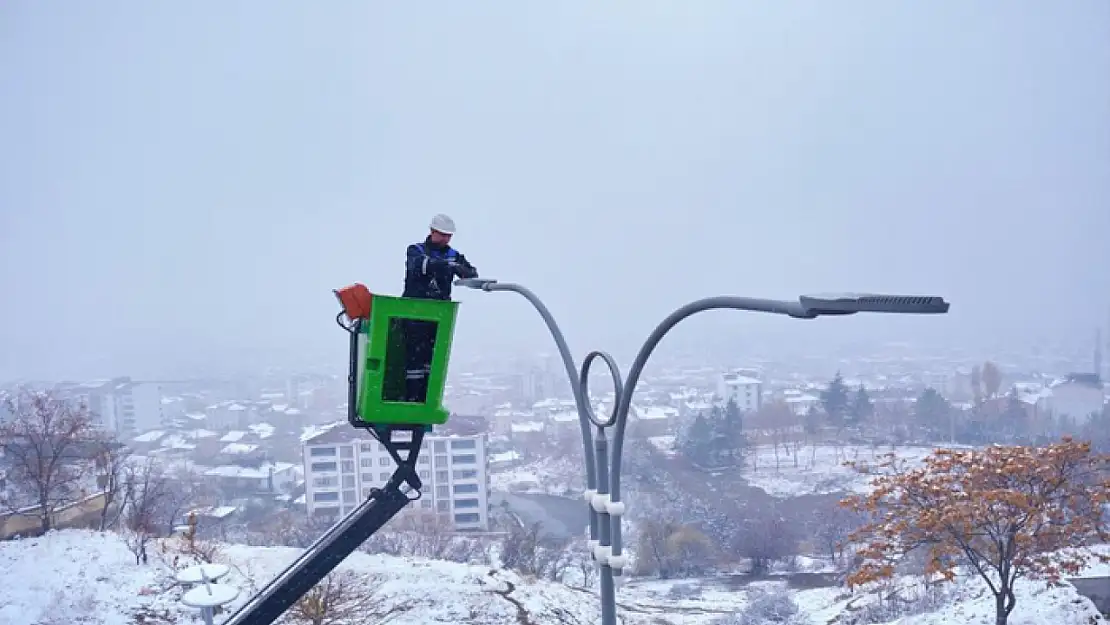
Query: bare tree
column 527, row 551
column 669, row 549
column 188, row 548
column 46, row 444
column 831, row 526
column 112, row 473
column 292, row 529
column 582, row 560
column 780, row 424
column 184, row 490
column 765, row 537
column 426, row 534
column 145, row 492
column 344, row 597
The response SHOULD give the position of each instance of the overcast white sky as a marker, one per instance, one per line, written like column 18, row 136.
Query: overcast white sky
column 182, row 184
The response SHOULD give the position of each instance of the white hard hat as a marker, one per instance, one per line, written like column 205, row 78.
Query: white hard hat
column 443, row 223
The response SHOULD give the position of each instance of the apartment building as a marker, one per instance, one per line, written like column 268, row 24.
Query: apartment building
column 742, row 386
column 341, row 465
column 119, row 405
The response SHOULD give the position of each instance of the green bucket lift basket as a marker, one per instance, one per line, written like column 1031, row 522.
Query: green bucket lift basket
column 383, row 329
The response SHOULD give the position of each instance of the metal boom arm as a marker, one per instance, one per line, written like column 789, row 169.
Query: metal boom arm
column 341, row 539
column 344, row 537
column 330, row 549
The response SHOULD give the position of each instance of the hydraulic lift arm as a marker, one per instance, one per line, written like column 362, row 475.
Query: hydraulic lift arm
column 344, row 537
column 333, row 546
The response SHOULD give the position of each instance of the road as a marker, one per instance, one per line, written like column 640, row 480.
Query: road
column 560, row 517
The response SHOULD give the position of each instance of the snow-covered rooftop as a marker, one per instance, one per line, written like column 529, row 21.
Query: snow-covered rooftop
column 238, row 448
column 258, row 473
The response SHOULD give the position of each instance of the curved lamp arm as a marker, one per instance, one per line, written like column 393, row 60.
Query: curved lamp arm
column 582, row 403
column 793, row 309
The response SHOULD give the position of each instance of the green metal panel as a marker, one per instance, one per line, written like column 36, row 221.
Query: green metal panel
column 381, row 376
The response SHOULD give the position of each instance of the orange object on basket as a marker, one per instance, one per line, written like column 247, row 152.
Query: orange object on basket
column 356, row 300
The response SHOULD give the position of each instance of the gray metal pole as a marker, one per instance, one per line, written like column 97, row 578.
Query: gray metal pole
column 614, row 564
column 599, row 503
column 581, row 398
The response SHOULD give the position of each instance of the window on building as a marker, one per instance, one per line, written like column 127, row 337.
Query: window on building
column 425, row 475
column 366, row 448
column 426, row 503
column 443, row 506
column 464, row 458
column 442, row 492
column 422, row 460
column 348, row 466
column 323, row 466
column 465, row 488
column 384, row 462
column 324, row 482
column 367, row 477
column 348, row 496
column 317, row 452
column 383, row 477
column 468, row 443
column 325, row 496
column 465, row 474
column 348, row 481
column 366, row 493
column 441, row 460
column 441, row 476
column 468, row 517
column 466, row 503
column 366, row 462
column 346, row 451
column 440, row 447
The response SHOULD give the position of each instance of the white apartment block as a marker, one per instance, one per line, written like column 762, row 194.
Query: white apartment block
column 742, row 387
column 341, row 466
column 119, row 405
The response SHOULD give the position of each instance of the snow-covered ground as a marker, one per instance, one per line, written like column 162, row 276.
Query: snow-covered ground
column 555, row 476
column 90, row 578
column 818, row 469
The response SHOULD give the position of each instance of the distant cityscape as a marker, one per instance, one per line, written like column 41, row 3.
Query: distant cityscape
column 279, row 441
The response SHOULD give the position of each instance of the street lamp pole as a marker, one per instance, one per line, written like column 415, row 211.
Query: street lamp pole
column 579, row 390
column 603, row 486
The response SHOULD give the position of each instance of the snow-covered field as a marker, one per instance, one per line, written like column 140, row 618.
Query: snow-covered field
column 797, row 470
column 556, row 476
column 90, row 578
column 817, row 469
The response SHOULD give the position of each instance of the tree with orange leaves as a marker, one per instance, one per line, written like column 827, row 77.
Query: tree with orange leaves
column 1003, row 512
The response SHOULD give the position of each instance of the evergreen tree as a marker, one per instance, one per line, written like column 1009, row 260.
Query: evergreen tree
column 835, row 400
column 730, row 432
column 862, row 407
column 697, row 440
column 719, row 436
column 932, row 410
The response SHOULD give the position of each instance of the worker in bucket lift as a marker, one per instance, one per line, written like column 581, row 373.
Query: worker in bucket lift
column 429, row 270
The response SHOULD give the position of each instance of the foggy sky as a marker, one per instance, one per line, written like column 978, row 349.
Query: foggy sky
column 182, row 184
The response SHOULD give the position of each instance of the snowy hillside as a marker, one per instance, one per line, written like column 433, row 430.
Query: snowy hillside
column 790, row 470
column 91, row 578
column 793, row 470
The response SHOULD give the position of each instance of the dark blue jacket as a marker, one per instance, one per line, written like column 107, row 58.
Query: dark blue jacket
column 430, row 269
